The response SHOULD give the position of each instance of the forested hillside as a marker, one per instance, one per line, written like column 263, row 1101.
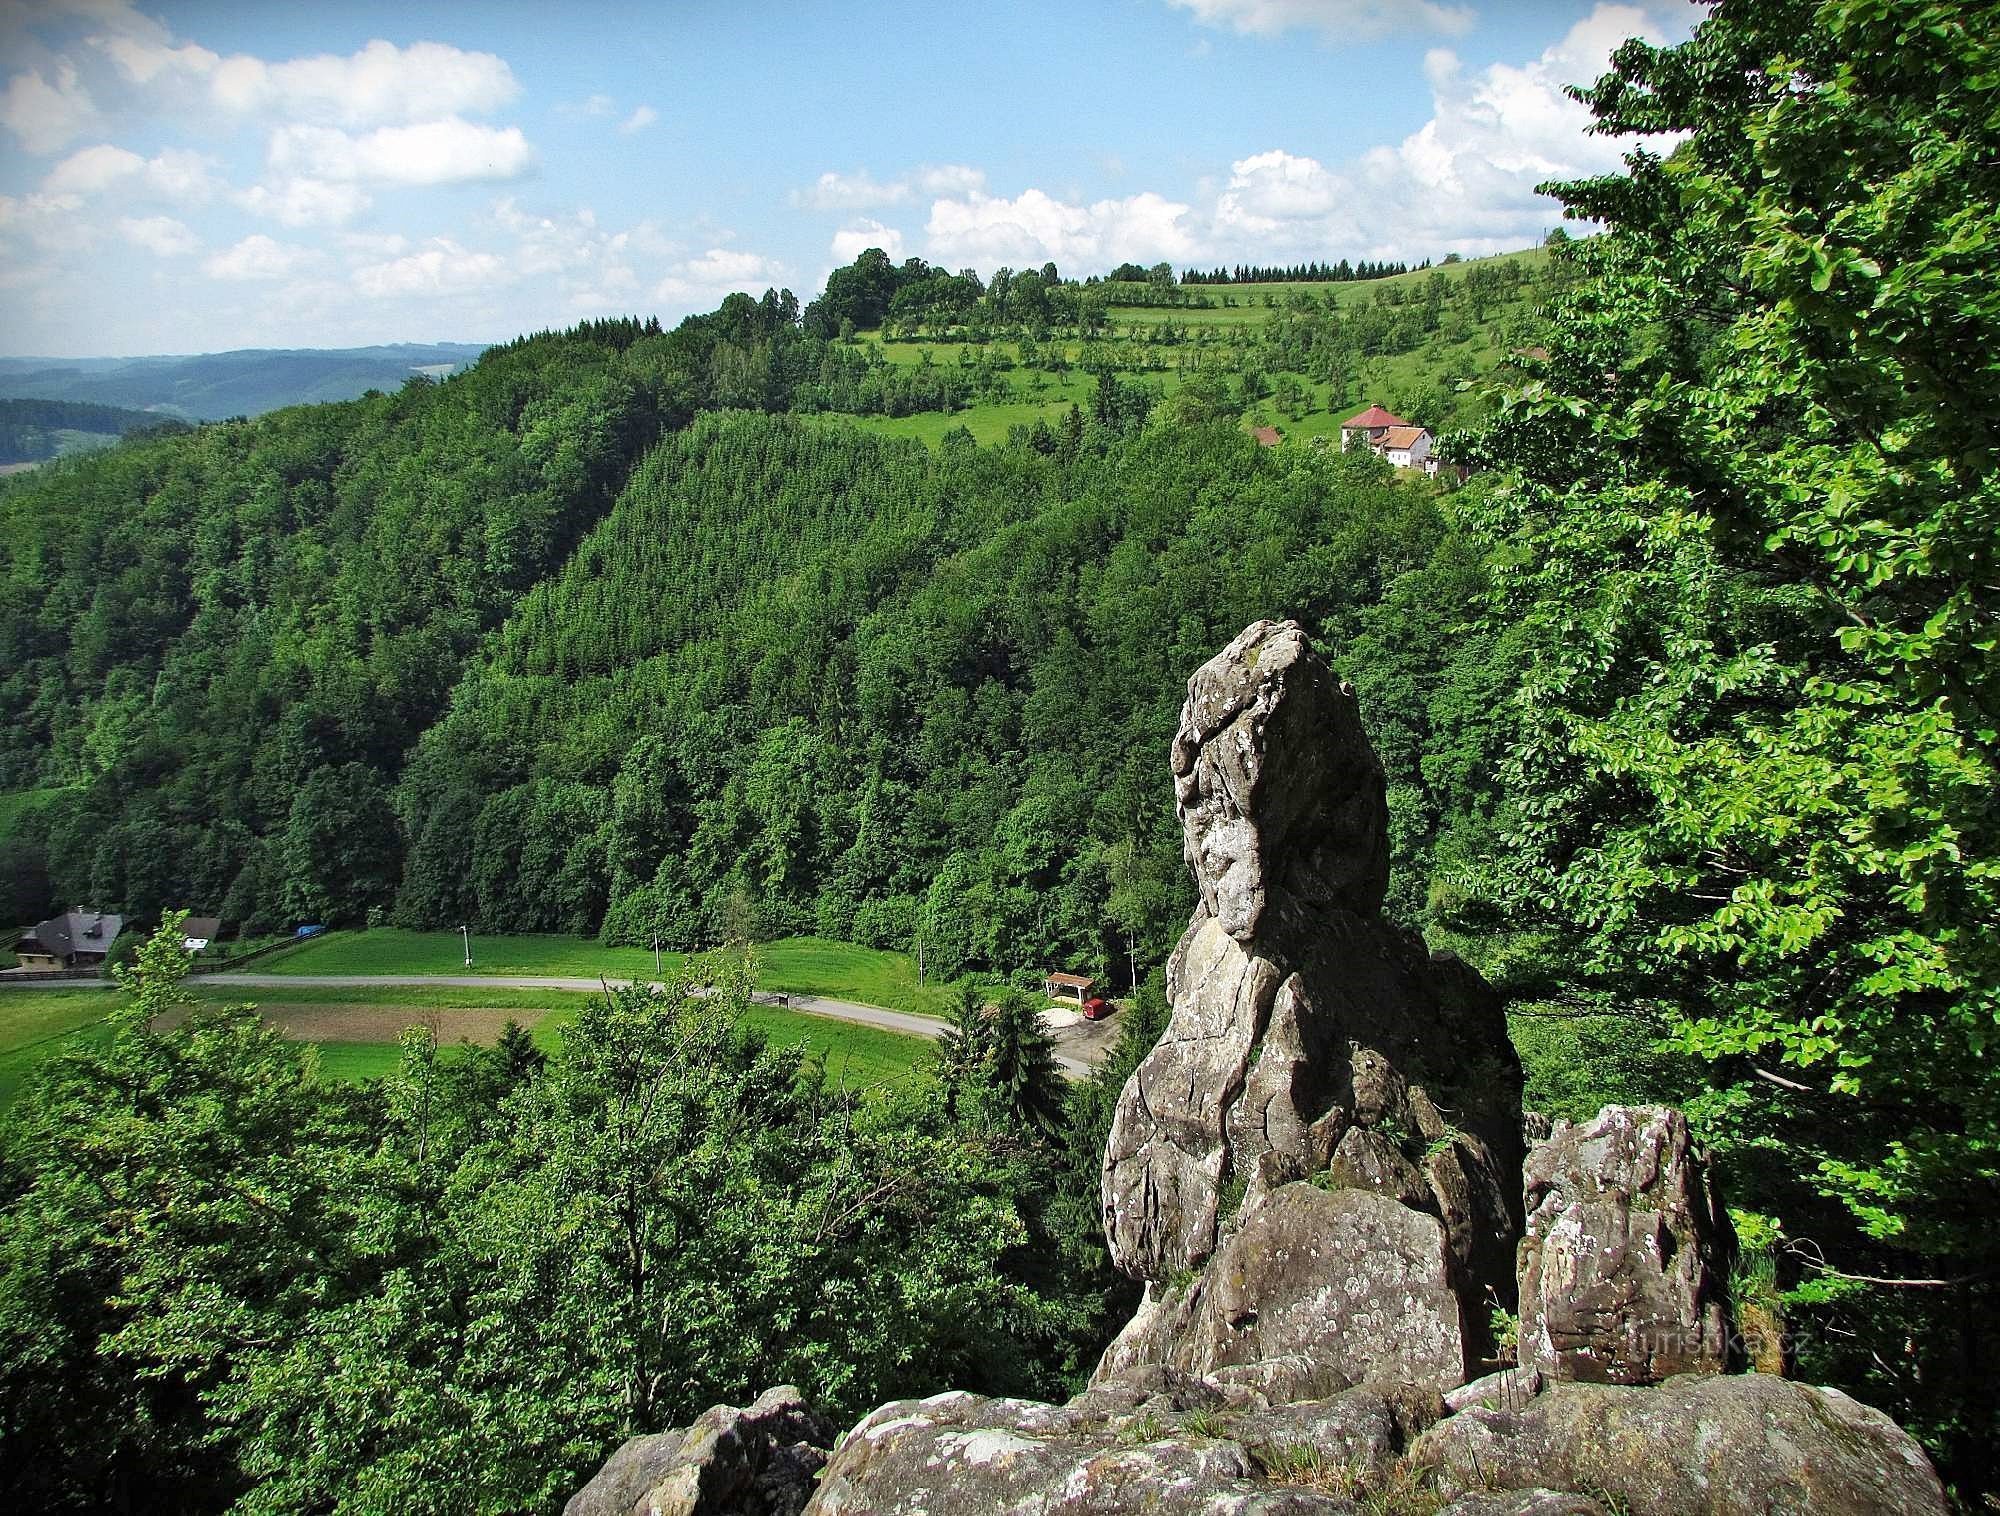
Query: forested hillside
column 872, row 618
column 34, row 430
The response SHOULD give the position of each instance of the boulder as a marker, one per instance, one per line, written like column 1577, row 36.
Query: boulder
column 1697, row 1445
column 760, row 1460
column 1626, row 1252
column 1316, row 1291
column 1310, row 1039
column 965, row 1455
column 1523, row 1503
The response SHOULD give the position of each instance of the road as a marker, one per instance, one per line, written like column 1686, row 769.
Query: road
column 905, row 1022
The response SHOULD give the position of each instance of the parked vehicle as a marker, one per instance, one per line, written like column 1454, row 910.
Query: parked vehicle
column 311, row 930
column 1096, row 1008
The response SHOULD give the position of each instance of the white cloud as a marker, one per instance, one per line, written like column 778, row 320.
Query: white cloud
column 596, row 105
column 861, row 191
column 160, row 235
column 641, row 118
column 451, row 151
column 1034, row 228
column 175, row 174
column 1336, row 20
column 92, row 170
column 45, row 116
column 719, row 271
column 258, row 257
column 1464, row 181
column 851, row 242
column 49, row 221
column 304, row 201
column 441, row 268
column 380, row 84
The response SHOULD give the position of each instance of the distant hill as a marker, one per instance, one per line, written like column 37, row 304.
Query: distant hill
column 32, row 431
column 248, row 382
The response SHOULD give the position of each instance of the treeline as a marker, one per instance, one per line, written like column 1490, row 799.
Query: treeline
column 232, row 1284
column 29, row 429
column 1299, row 273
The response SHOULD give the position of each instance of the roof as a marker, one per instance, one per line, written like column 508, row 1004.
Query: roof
column 1268, row 436
column 1371, row 419
column 74, row 932
column 1079, row 981
column 207, row 928
column 1403, row 436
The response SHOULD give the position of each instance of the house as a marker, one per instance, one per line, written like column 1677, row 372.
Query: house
column 74, row 940
column 197, row 932
column 1390, row 436
column 1406, row 446
column 1368, row 428
column 1074, row 987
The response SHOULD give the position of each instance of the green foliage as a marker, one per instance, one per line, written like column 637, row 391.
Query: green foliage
column 1751, row 555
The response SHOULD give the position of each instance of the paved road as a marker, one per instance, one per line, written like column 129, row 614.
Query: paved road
column 908, row 1024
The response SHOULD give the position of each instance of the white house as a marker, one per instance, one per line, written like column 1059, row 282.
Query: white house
column 1391, row 437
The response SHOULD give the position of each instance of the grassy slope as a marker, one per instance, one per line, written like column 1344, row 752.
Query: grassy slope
column 1376, row 377
column 812, row 965
column 35, row 1024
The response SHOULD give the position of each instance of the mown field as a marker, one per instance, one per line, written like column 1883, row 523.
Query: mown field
column 355, row 1031
column 794, row 965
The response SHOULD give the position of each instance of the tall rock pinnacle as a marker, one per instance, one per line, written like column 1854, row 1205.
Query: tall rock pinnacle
column 1314, row 1050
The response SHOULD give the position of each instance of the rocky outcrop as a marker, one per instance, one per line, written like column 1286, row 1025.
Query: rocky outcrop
column 761, row 1460
column 1318, row 1173
column 1152, row 1441
column 1313, row 1293
column 1626, row 1253
column 1311, row 1042
column 1698, row 1445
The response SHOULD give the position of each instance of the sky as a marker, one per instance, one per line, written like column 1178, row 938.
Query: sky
column 194, row 177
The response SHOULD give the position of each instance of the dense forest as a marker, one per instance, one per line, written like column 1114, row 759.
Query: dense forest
column 1687, row 700
column 34, row 430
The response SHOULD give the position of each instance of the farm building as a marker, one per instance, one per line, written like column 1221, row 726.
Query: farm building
column 1389, row 436
column 73, row 940
column 1074, row 987
column 197, row 932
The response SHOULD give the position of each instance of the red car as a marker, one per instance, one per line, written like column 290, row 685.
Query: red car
column 1096, row 1008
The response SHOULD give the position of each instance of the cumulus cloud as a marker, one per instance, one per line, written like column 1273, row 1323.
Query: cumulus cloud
column 160, row 235
column 380, row 84
column 641, row 118
column 861, row 191
column 1335, row 20
column 1033, row 227
column 50, row 222
column 719, row 271
column 451, row 151
column 259, row 258
column 304, row 201
column 46, row 115
column 1463, row 181
column 851, row 242
column 441, row 267
column 175, row 173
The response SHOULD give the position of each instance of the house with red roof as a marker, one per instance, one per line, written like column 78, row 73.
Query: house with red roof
column 1389, row 436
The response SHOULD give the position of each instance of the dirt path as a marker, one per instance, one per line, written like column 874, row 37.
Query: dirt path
column 361, row 1022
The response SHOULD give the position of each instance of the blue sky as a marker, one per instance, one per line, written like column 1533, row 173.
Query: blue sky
column 193, row 177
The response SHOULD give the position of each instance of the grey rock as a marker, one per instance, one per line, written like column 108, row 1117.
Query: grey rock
column 965, row 1455
column 1626, row 1252
column 1309, row 1036
column 1318, row 1290
column 1524, row 1503
column 759, row 1460
column 1697, row 1445
column 1509, row 1390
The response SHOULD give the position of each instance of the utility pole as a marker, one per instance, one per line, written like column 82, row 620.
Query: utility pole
column 920, row 963
column 656, row 955
column 466, row 933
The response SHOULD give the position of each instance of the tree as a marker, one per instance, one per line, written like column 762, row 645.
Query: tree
column 1752, row 552
column 1024, row 1086
column 340, row 849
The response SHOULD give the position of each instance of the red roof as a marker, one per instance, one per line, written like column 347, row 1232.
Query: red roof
column 1371, row 419
column 1268, row 436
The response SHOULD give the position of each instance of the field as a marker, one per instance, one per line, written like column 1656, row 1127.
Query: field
column 355, row 1030
column 839, row 970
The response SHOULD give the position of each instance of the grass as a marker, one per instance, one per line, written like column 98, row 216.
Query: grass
column 35, row 1025
column 796, row 965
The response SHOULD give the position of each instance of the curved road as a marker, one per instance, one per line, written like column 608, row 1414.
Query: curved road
column 906, row 1022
